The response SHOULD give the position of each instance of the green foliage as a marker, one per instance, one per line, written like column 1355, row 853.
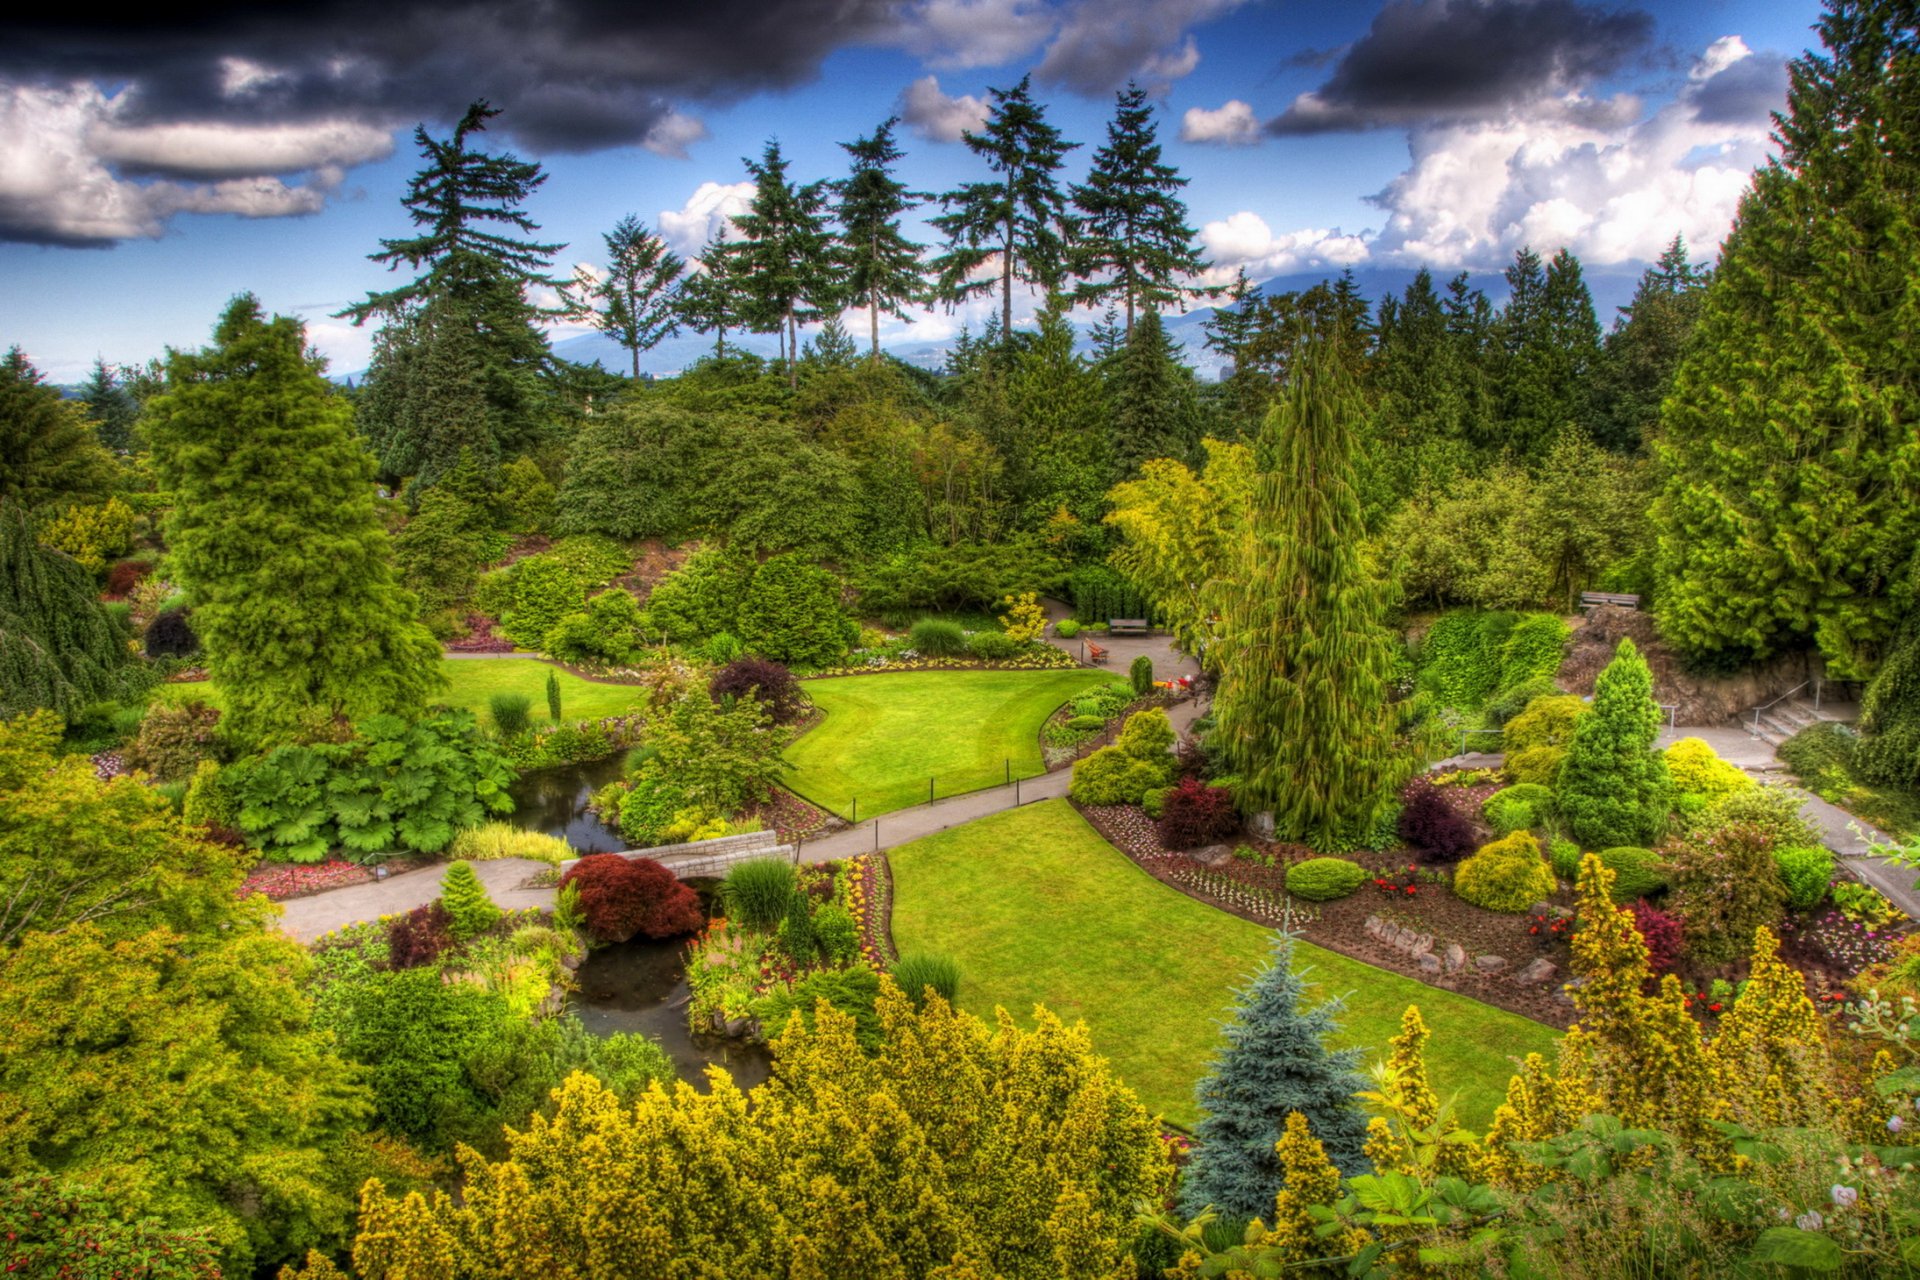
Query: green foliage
column 510, row 713
column 792, row 614
column 273, row 532
column 553, row 696
column 1775, row 811
column 937, row 638
column 1696, row 770
column 705, row 757
column 851, row 991
column 1324, row 879
column 699, row 599
column 1613, row 787
column 1470, row 658
column 395, row 786
column 759, row 892
column 1890, row 711
column 58, row 647
column 49, row 455
column 1275, row 1061
column 919, row 973
column 213, row 796
column 1140, row 675
column 1564, row 856
column 1724, row 884
column 1066, row 628
column 1507, row 875
column 469, row 910
column 1547, row 722
column 992, row 646
column 836, row 933
column 1138, row 762
column 60, row 1227
column 532, row 595
column 1517, row 808
column 117, row 1042
column 439, row 553
column 960, row 576
column 1806, row 871
column 607, row 631
column 1637, row 873
column 525, row 496
column 883, row 269
column 174, row 739
column 91, row 534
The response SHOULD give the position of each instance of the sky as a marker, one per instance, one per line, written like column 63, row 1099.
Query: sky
column 153, row 166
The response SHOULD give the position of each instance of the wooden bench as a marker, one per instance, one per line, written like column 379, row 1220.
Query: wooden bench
column 1594, row 599
column 1095, row 653
column 1127, row 626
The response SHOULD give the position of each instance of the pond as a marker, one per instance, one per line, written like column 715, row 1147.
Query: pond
column 641, row 986
column 554, row 801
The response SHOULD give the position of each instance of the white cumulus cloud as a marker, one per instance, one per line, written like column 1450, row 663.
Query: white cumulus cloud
column 1233, row 124
column 674, row 134
column 938, row 116
column 704, row 216
column 972, row 33
column 1244, row 240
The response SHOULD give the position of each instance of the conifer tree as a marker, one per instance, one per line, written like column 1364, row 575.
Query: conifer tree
column 470, row 911
column 633, row 300
column 58, row 647
column 1230, row 331
column 1644, row 348
column 780, row 267
column 884, row 271
column 1790, row 469
column 110, row 405
column 49, row 454
column 1275, row 1062
column 1418, row 433
column 1613, row 786
column 1133, row 237
column 1305, row 654
column 709, row 299
column 1020, row 217
column 1155, row 414
column 1050, row 426
column 1549, row 343
column 274, row 532
column 468, row 303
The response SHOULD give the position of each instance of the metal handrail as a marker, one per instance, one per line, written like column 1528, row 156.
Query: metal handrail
column 1768, row 706
column 1467, row 733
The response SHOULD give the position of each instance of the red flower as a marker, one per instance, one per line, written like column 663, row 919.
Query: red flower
column 1715, row 1006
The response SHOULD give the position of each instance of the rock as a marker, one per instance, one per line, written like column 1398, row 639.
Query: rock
column 735, row 1026
column 1373, row 926
column 1536, row 973
column 1456, row 957
column 1543, row 911
column 1214, row 855
column 1490, row 964
column 1429, row 962
column 1422, row 944
column 1261, row 824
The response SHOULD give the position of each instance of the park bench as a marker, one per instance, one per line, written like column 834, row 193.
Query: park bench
column 1594, row 599
column 1095, row 653
column 1127, row 626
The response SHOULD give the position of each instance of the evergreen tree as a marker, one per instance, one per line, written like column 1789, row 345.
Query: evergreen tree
column 59, row 648
column 1134, row 241
column 468, row 305
column 1470, row 333
column 470, row 911
column 709, row 300
column 1613, row 787
column 1417, row 436
column 274, row 533
column 1644, row 349
column 1050, row 428
column 1276, row 1062
column 780, row 267
column 1153, row 395
column 633, row 301
column 1021, row 217
column 1549, row 344
column 111, row 407
column 1230, row 331
column 792, row 614
column 1789, row 464
column 831, row 348
column 49, row 454
column 1305, row 654
column 883, row 269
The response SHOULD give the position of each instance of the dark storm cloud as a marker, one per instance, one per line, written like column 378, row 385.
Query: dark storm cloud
column 1743, row 93
column 572, row 75
column 1430, row 60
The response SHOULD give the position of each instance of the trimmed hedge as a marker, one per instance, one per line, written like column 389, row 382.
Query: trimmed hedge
column 1507, row 875
column 1324, row 879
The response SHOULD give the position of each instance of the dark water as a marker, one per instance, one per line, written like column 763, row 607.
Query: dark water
column 554, row 801
column 641, row 986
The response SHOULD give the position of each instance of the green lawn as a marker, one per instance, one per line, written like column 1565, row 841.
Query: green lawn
column 471, row 681
column 1038, row 909
column 884, row 736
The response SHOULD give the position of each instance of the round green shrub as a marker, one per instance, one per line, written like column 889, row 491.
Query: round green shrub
column 992, row 646
column 1324, row 879
column 469, row 910
column 1086, row 724
column 1518, row 807
column 1507, row 875
column 1066, row 628
column 837, row 933
column 1806, row 870
column 1154, row 801
column 917, row 972
column 1564, row 856
column 1538, row 765
column 937, row 638
column 1637, row 873
column 1546, row 722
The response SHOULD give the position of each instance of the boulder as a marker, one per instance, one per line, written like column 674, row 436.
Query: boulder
column 1455, row 957
column 1213, row 855
column 1490, row 964
column 1429, row 962
column 1536, row 973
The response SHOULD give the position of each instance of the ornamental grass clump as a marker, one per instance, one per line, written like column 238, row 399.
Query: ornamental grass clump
column 937, row 638
column 759, row 892
column 1508, row 875
column 919, row 973
column 511, row 713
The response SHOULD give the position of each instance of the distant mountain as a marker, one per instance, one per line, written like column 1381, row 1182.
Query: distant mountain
column 1612, row 288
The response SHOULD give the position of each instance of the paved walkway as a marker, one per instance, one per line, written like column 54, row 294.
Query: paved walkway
column 309, row 917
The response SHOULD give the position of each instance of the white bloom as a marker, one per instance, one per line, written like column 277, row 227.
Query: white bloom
column 1810, row 1220
column 1844, row 1196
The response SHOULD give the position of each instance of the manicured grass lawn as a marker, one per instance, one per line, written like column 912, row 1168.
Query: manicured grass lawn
column 1038, row 909
column 471, row 681
column 884, row 736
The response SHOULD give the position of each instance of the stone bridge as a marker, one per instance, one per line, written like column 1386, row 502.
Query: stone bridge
column 710, row 859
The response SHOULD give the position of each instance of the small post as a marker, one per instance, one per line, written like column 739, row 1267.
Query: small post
column 929, row 790
column 876, row 835
column 856, row 811
column 1009, row 764
column 1016, row 793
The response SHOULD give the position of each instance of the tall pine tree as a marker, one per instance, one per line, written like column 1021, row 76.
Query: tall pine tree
column 1789, row 511
column 709, row 300
column 1021, row 216
column 1306, row 655
column 1644, row 348
column 1155, row 409
column 780, row 267
column 49, row 454
column 471, row 297
column 1275, row 1062
column 110, row 405
column 884, row 272
column 1549, row 348
column 274, row 534
column 632, row 300
column 1134, row 242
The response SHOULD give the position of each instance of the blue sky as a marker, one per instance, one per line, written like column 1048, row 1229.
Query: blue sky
column 1316, row 135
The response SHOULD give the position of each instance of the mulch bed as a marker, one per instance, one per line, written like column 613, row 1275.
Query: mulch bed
column 1341, row 926
column 792, row 818
column 480, row 637
column 283, row 880
column 1061, row 757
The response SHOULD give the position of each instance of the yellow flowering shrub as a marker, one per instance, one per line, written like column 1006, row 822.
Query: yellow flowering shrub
column 92, row 535
column 1696, row 770
column 1024, row 620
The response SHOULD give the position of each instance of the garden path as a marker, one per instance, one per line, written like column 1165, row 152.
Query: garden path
column 1168, row 662
column 309, row 917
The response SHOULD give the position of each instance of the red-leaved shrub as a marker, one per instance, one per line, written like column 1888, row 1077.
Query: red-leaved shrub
column 761, row 678
column 419, row 936
column 125, row 576
column 1662, row 933
column 1195, row 814
column 170, row 635
column 1430, row 823
column 624, row 898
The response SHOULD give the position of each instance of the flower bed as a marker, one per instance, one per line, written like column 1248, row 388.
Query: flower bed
column 283, row 880
column 1040, row 658
column 792, row 818
column 868, row 889
column 480, row 637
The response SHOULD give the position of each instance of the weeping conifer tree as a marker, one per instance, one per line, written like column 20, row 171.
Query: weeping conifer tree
column 1305, row 655
column 58, row 647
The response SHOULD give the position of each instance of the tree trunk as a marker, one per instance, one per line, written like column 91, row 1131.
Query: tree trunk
column 793, row 352
column 873, row 314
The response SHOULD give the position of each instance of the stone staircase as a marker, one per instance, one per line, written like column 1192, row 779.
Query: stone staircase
column 1775, row 723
